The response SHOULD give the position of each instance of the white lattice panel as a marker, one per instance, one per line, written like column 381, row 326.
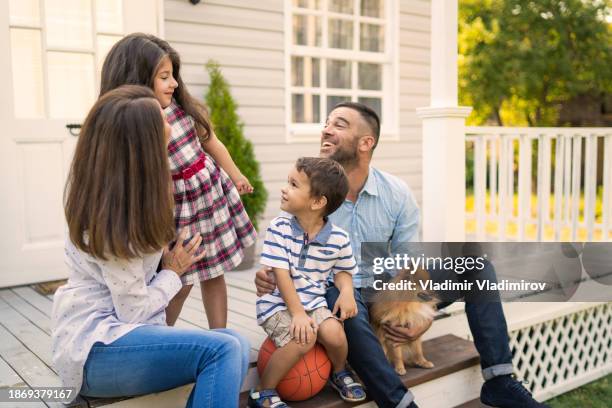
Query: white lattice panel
column 563, row 353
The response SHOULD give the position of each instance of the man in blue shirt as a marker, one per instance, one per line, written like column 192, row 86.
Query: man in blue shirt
column 380, row 207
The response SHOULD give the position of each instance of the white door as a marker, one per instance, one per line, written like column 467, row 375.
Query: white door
column 51, row 52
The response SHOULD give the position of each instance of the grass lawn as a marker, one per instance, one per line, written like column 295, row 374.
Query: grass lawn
column 597, row 394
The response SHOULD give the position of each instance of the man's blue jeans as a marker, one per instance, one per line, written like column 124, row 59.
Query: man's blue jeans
column 157, row 358
column 366, row 356
column 485, row 317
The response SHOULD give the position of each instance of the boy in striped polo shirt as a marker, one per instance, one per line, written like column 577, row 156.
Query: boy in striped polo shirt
column 306, row 251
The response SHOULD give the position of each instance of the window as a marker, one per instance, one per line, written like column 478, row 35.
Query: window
column 57, row 49
column 337, row 51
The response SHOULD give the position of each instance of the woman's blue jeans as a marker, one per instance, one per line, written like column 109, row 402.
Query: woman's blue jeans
column 157, row 358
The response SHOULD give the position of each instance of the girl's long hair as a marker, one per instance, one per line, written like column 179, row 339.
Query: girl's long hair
column 117, row 199
column 135, row 59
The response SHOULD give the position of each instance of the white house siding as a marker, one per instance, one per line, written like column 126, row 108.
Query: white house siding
column 247, row 38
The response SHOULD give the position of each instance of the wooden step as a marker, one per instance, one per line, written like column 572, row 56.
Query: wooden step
column 475, row 403
column 449, row 354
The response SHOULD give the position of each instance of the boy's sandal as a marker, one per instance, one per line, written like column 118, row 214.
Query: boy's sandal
column 257, row 399
column 349, row 389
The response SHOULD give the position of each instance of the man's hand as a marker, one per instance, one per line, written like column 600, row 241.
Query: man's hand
column 346, row 305
column 303, row 329
column 265, row 282
column 402, row 335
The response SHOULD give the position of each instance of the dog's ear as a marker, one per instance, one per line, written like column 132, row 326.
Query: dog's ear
column 420, row 275
column 404, row 274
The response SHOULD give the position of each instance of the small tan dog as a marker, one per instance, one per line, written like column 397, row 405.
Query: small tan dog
column 407, row 309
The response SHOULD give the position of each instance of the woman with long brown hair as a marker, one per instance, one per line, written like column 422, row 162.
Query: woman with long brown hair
column 110, row 336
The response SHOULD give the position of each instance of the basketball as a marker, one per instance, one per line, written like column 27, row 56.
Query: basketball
column 305, row 379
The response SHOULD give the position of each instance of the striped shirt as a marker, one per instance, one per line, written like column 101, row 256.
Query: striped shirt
column 309, row 261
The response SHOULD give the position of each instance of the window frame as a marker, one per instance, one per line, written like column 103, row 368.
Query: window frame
column 389, row 59
column 93, row 50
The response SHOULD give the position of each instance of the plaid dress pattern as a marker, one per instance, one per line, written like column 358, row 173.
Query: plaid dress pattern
column 205, row 201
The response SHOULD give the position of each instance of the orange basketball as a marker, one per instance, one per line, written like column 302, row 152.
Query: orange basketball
column 305, row 379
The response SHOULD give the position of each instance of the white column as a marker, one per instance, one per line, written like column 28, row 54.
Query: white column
column 443, row 133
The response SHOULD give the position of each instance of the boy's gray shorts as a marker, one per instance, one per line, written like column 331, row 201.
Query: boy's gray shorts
column 277, row 326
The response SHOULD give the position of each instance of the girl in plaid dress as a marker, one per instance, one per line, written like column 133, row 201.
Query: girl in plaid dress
column 206, row 182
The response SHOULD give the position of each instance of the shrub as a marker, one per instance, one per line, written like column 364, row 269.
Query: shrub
column 230, row 130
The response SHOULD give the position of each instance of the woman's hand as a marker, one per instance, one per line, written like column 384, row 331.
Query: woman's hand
column 243, row 185
column 182, row 255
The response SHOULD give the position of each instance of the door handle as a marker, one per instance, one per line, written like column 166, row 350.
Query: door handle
column 73, row 127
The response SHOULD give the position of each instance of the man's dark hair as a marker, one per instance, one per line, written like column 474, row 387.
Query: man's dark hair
column 327, row 179
column 368, row 114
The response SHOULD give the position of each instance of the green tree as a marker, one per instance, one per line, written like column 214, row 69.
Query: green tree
column 520, row 60
column 230, row 130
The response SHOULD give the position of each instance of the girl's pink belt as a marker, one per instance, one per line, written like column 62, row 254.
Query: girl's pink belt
column 188, row 172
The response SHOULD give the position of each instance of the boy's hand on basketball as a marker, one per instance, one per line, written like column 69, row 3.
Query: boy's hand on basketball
column 243, row 185
column 346, row 305
column 182, row 256
column 265, row 282
column 303, row 329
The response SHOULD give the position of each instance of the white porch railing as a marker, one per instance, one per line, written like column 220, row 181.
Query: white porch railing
column 563, row 192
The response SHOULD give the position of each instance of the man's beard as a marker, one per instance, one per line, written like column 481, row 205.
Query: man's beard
column 346, row 155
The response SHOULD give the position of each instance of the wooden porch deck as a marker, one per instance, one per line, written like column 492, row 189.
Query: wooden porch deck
column 25, row 347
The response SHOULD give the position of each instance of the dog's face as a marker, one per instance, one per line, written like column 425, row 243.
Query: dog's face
column 407, row 308
column 408, row 314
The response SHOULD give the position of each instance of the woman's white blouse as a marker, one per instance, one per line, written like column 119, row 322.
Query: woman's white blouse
column 102, row 301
